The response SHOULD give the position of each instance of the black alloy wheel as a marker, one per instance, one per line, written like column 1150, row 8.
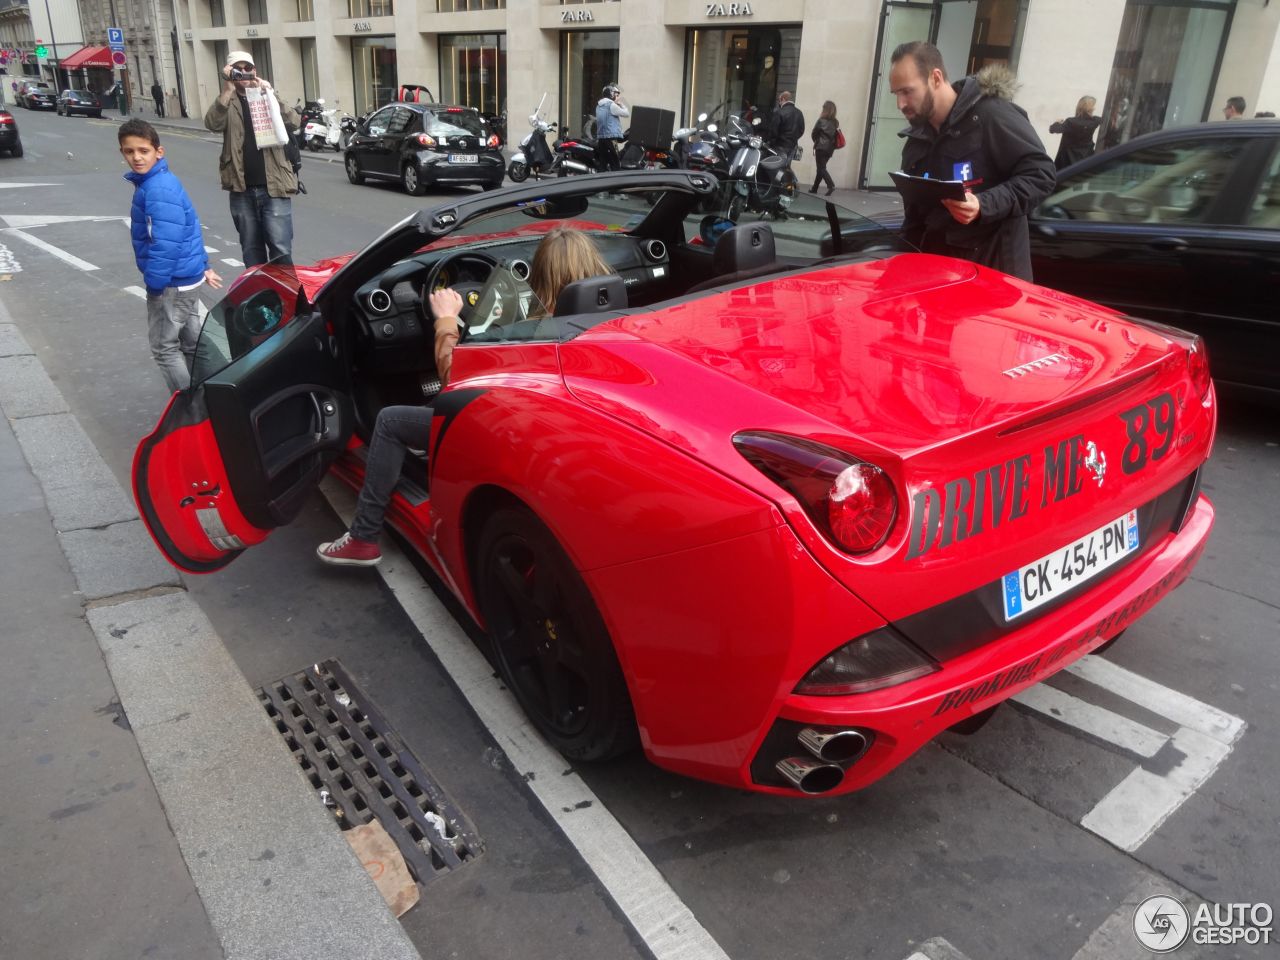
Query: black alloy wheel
column 353, row 169
column 551, row 644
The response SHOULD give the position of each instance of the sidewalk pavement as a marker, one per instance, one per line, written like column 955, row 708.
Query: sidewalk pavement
column 151, row 810
column 868, row 203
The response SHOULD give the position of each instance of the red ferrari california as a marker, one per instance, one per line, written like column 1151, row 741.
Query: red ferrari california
column 774, row 499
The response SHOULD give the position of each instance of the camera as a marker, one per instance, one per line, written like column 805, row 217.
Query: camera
column 241, row 74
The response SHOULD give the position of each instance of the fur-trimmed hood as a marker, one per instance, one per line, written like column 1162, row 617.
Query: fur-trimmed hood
column 997, row 80
column 994, row 80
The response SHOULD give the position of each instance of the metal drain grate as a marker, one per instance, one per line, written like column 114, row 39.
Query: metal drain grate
column 362, row 769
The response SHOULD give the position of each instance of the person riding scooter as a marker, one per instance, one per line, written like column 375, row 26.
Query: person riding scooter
column 609, row 112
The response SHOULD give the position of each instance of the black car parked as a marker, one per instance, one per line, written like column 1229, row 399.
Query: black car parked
column 9, row 139
column 425, row 144
column 79, row 101
column 37, row 96
column 1181, row 226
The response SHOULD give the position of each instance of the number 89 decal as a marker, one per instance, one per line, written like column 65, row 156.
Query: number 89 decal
column 1151, row 423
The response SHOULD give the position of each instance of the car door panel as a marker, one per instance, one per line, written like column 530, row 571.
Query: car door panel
column 237, row 455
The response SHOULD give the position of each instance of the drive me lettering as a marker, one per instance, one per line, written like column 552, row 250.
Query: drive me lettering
column 968, row 506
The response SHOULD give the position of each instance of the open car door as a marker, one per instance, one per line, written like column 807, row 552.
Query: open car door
column 268, row 410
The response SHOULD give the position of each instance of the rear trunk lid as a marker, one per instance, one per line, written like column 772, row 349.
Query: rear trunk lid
column 1012, row 419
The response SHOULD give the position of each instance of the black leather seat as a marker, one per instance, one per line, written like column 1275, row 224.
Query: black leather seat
column 607, row 294
column 742, row 252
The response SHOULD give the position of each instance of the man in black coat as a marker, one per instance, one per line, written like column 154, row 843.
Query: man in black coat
column 786, row 126
column 970, row 131
column 157, row 94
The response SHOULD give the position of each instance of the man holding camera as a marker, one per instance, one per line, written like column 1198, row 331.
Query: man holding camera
column 260, row 180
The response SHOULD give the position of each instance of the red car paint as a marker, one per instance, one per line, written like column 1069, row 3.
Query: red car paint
column 975, row 392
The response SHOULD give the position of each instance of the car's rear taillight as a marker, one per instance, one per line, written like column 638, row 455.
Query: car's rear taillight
column 569, row 144
column 426, row 140
column 493, row 141
column 882, row 658
column 1198, row 369
column 851, row 502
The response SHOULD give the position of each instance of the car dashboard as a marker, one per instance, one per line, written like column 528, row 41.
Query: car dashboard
column 393, row 326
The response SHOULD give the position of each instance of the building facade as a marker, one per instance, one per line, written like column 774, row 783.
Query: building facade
column 1149, row 63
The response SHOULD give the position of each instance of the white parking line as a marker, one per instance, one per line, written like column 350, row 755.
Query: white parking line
column 137, row 291
column 653, row 909
column 1097, row 721
column 232, row 262
column 210, row 249
column 1135, row 808
column 50, row 248
column 1178, row 707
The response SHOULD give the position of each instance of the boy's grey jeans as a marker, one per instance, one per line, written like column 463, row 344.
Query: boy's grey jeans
column 173, row 327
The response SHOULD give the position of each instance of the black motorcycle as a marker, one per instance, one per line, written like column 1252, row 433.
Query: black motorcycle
column 762, row 178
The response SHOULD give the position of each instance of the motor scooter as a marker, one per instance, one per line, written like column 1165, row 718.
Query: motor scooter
column 576, row 155
column 534, row 156
column 326, row 132
column 763, row 179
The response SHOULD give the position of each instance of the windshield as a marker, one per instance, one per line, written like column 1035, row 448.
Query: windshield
column 254, row 307
column 463, row 123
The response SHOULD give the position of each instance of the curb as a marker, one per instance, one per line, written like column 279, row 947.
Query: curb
column 273, row 871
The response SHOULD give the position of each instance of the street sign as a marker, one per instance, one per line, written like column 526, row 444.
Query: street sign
column 118, row 58
column 115, row 37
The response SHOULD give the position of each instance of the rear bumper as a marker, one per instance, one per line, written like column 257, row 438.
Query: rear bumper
column 713, row 641
column 8, row 138
column 435, row 168
column 901, row 719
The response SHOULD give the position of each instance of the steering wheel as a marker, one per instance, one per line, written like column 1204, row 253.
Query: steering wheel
column 470, row 292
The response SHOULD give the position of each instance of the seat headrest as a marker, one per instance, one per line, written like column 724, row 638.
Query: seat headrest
column 593, row 295
column 748, row 246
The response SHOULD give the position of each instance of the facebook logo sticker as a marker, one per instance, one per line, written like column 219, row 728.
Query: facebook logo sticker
column 962, row 171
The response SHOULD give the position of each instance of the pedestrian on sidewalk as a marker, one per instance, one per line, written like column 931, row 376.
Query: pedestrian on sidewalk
column 825, row 131
column 1077, row 133
column 157, row 94
column 169, row 250
column 610, row 109
column 786, row 127
column 563, row 256
column 260, row 180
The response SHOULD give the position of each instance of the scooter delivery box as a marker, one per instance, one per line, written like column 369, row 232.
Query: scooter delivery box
column 652, row 127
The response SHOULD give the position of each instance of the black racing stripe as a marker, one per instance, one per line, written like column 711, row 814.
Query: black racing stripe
column 449, row 405
column 976, row 618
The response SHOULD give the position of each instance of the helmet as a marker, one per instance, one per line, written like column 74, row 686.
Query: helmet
column 611, row 90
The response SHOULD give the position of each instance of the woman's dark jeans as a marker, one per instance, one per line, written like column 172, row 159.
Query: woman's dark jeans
column 397, row 429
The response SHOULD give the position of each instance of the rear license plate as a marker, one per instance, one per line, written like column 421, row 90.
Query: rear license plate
column 1054, row 574
column 463, row 158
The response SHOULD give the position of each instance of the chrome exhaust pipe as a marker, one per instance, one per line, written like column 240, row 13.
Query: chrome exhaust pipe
column 574, row 165
column 810, row 776
column 838, row 747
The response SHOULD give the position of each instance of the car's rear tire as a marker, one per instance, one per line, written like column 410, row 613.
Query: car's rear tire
column 16, row 149
column 412, row 180
column 551, row 644
column 353, row 169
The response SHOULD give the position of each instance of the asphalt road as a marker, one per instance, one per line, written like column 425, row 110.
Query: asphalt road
column 995, row 842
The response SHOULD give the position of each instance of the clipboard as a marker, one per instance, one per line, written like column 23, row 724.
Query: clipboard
column 925, row 189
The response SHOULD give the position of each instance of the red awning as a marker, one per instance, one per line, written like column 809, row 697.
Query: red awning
column 87, row 57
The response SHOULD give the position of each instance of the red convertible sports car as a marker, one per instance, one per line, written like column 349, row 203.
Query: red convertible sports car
column 774, row 499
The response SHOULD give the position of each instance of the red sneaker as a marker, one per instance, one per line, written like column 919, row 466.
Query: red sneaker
column 347, row 551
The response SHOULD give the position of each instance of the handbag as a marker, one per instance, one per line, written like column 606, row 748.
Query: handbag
column 839, row 139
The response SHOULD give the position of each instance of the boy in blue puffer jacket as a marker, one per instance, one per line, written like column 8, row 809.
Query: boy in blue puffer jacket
column 169, row 250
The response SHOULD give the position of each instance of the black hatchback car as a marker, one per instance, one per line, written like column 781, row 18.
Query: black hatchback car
column 1181, row 226
column 10, row 140
column 425, row 144
column 37, row 96
column 79, row 101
